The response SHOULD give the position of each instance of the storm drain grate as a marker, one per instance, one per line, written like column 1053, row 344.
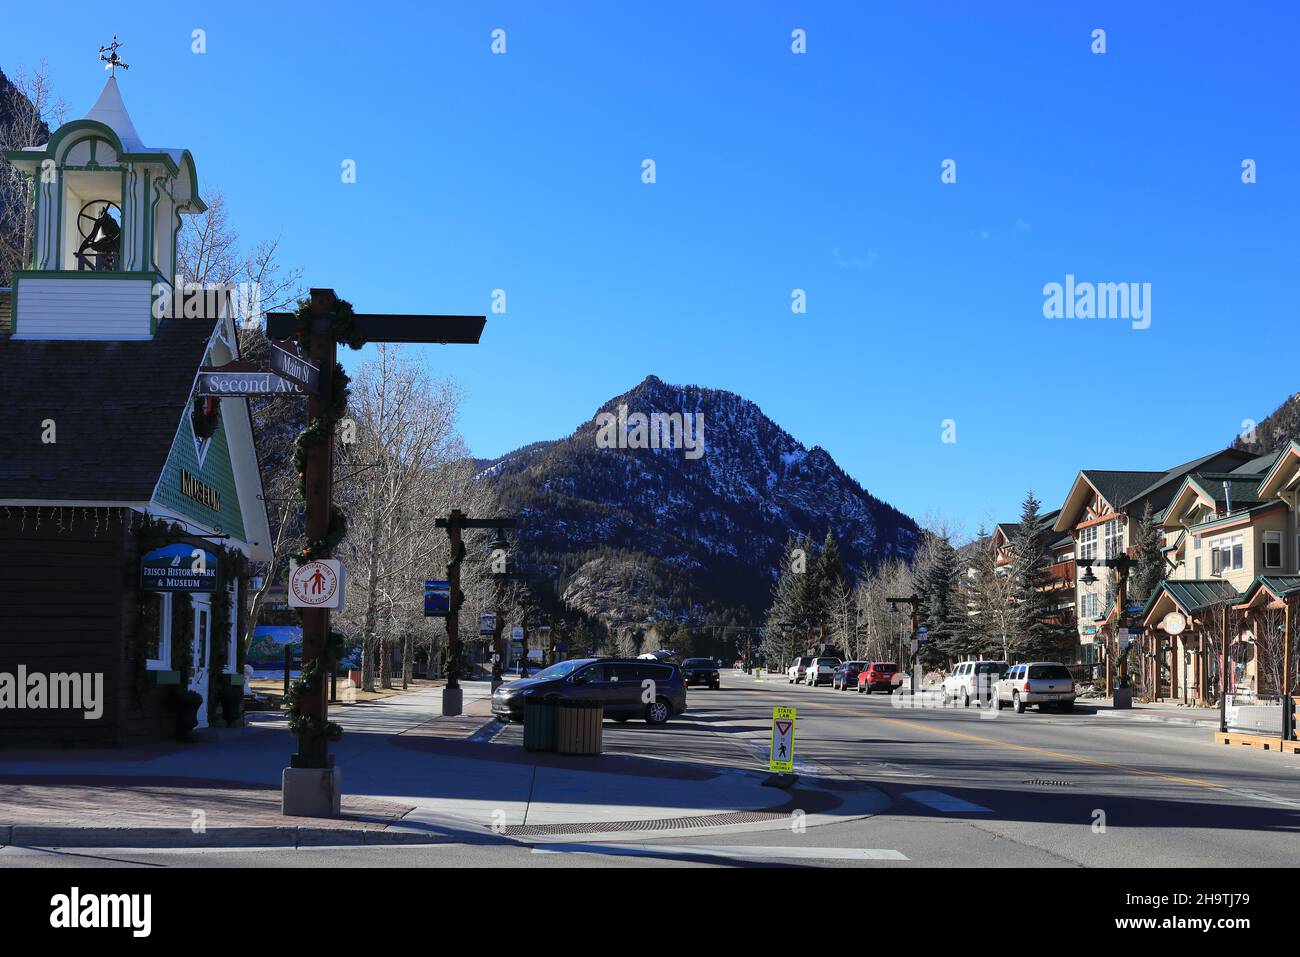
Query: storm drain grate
column 1046, row 782
column 659, row 824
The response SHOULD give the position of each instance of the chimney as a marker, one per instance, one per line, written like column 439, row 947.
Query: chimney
column 1227, row 491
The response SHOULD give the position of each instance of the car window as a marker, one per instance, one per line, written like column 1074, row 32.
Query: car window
column 989, row 668
column 590, row 674
column 886, row 667
column 1049, row 671
column 653, row 672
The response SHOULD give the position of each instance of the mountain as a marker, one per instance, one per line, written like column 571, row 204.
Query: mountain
column 638, row 535
column 1277, row 428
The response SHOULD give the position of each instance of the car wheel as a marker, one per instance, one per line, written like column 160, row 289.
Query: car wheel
column 1017, row 704
column 657, row 711
column 1067, row 706
column 868, row 687
column 965, row 698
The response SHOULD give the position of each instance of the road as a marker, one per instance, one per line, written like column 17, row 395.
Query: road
column 964, row 789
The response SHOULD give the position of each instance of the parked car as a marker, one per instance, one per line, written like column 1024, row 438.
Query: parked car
column 821, row 670
column 795, row 671
column 879, row 676
column 846, row 675
column 973, row 681
column 701, row 671
column 1044, row 683
column 618, row 683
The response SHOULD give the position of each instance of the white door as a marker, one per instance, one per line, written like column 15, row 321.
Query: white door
column 201, row 651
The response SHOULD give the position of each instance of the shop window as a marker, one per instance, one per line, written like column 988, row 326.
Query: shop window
column 159, row 649
column 232, row 646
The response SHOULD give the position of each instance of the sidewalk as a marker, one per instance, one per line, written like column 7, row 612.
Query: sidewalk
column 409, row 775
column 1162, row 712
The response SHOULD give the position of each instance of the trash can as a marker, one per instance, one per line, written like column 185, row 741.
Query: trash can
column 540, row 723
column 580, row 727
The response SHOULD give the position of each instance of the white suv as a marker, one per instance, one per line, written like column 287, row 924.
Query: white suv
column 795, row 671
column 973, row 681
column 821, row 669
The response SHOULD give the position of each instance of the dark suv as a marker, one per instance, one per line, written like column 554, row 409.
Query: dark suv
column 620, row 684
column 701, row 671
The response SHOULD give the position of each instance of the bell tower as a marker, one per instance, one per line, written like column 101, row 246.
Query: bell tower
column 107, row 213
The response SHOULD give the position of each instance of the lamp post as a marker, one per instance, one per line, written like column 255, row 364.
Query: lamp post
column 1122, row 564
column 497, row 550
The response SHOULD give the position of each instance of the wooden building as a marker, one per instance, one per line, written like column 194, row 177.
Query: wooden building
column 108, row 461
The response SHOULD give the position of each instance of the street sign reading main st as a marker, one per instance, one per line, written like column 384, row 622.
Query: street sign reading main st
column 286, row 361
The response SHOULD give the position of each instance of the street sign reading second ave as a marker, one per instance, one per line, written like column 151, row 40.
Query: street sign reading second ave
column 234, row 382
column 782, row 754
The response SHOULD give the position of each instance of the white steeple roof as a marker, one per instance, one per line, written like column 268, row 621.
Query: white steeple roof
column 111, row 111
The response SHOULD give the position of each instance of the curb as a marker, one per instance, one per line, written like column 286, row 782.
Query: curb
column 294, row 836
column 1162, row 719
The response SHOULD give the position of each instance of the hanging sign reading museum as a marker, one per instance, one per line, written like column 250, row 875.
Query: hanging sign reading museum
column 178, row 567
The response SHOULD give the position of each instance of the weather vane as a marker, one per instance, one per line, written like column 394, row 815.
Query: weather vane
column 112, row 61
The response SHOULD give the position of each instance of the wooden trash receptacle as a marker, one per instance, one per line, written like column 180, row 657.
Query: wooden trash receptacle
column 541, row 719
column 580, row 727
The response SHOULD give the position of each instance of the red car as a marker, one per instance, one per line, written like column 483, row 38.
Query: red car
column 878, row 676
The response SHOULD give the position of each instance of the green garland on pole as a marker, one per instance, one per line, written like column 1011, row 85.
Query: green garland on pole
column 320, row 430
column 309, row 683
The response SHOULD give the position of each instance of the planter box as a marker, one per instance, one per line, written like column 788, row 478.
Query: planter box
column 580, row 727
column 541, row 725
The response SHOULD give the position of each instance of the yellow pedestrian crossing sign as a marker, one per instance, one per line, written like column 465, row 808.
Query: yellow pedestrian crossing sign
column 782, row 755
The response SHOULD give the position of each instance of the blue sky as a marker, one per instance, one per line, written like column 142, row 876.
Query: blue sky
column 775, row 171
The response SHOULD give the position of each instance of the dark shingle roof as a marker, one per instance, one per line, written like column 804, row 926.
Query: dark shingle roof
column 1120, row 487
column 1178, row 472
column 115, row 405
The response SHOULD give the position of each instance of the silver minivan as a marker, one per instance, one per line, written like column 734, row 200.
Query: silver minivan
column 1044, row 683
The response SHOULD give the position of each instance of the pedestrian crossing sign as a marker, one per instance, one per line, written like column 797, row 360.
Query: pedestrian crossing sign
column 781, row 757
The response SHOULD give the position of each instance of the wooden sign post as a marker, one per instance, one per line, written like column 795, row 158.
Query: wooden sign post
column 311, row 784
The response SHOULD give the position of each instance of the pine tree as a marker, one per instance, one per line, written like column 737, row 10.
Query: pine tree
column 941, row 610
column 1033, row 632
column 835, row 597
column 1151, row 568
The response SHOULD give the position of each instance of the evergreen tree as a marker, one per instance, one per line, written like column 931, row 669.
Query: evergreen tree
column 835, row 596
column 941, row 609
column 1151, row 569
column 1034, row 633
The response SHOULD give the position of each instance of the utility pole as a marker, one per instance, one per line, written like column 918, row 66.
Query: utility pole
column 915, row 656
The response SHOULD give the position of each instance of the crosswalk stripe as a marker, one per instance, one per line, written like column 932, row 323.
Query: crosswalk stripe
column 727, row 850
column 946, row 802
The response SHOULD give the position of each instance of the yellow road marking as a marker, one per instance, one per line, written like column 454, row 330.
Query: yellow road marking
column 1077, row 759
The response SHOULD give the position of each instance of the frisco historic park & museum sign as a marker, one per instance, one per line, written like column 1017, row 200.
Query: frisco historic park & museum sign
column 178, row 567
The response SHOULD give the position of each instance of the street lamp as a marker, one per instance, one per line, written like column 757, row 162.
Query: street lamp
column 497, row 549
column 1122, row 564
